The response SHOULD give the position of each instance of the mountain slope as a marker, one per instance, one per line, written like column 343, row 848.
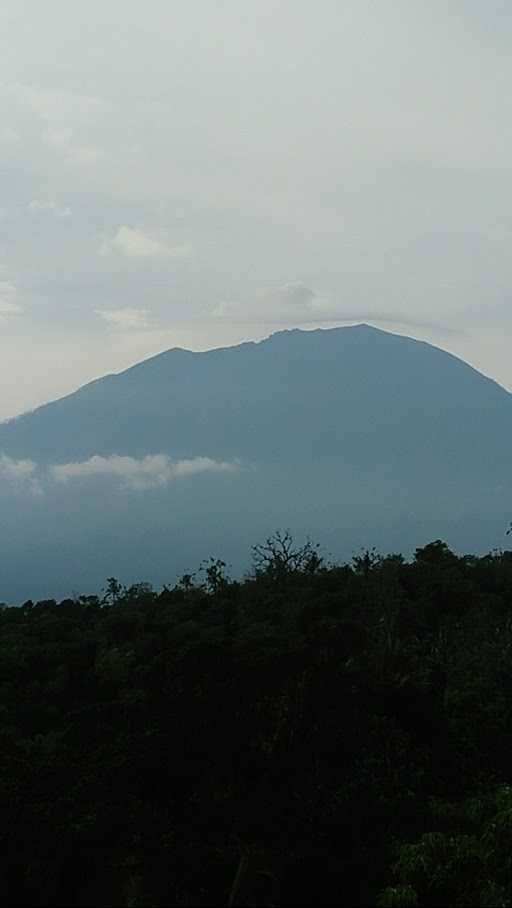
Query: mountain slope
column 355, row 436
column 355, row 394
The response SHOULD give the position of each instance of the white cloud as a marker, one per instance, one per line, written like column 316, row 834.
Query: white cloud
column 15, row 470
column 140, row 474
column 377, row 188
column 227, row 309
column 126, row 319
column 36, row 207
column 293, row 302
column 20, row 473
column 9, row 138
column 293, row 294
column 7, row 309
column 135, row 243
column 56, row 106
column 9, row 300
column 132, row 473
column 63, row 142
column 66, row 118
column 298, row 302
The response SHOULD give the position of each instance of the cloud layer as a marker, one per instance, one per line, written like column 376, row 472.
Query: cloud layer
column 9, row 300
column 126, row 319
column 20, row 474
column 135, row 474
column 200, row 179
column 140, row 474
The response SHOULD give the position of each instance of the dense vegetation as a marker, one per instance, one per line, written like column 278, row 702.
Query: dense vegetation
column 313, row 733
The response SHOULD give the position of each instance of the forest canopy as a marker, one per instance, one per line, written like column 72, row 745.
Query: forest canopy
column 314, row 732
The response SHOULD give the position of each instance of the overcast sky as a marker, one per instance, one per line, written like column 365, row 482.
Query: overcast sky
column 199, row 173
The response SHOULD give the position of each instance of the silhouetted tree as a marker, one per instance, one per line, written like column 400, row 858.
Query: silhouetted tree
column 280, row 555
column 112, row 592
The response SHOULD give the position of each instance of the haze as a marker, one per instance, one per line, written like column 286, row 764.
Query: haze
column 199, row 174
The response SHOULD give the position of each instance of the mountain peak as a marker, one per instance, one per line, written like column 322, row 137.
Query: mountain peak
column 350, row 433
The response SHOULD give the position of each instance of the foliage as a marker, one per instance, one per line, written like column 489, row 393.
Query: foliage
column 279, row 556
column 339, row 734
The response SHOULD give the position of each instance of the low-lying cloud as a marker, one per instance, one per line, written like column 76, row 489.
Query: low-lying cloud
column 294, row 303
column 140, row 474
column 20, row 474
column 136, row 474
column 291, row 301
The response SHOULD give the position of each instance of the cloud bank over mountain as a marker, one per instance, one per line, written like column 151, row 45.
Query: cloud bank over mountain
column 131, row 473
column 140, row 474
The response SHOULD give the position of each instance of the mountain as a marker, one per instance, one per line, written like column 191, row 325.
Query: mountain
column 356, row 435
column 336, row 394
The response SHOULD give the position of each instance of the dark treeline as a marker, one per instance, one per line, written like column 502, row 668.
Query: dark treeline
column 312, row 734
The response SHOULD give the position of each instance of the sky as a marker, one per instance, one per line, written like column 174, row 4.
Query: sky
column 197, row 174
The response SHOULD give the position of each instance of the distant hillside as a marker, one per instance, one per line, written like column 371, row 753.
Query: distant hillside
column 358, row 395
column 349, row 434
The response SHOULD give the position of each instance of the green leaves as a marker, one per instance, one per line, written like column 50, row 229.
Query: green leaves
column 353, row 724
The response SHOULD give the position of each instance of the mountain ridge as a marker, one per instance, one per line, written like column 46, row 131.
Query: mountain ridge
column 270, row 398
column 276, row 336
column 355, row 436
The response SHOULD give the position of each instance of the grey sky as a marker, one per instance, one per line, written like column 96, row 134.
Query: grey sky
column 195, row 174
